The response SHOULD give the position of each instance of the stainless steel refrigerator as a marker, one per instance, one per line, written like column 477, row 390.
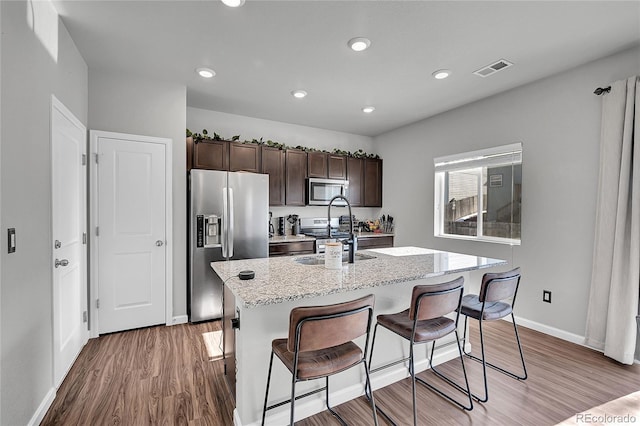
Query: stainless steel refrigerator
column 228, row 214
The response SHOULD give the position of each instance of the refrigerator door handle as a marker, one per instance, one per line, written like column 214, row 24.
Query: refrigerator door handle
column 231, row 214
column 225, row 218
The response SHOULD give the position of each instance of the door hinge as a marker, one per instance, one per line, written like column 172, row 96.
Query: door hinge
column 97, row 157
column 225, row 369
column 84, row 238
column 84, row 316
column 84, row 159
column 97, row 303
column 97, row 231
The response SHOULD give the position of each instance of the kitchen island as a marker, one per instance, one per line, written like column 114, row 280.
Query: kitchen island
column 263, row 304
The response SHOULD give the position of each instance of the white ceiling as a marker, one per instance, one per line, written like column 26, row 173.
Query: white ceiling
column 265, row 49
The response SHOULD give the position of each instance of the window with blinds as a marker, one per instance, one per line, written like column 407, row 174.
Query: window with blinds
column 478, row 195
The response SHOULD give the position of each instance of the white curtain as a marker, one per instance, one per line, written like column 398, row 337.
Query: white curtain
column 615, row 277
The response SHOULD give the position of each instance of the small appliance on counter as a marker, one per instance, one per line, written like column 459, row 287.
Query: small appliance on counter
column 344, row 223
column 295, row 224
column 281, row 226
column 271, row 230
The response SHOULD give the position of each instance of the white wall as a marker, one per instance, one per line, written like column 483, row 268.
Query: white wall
column 38, row 59
column 0, row 214
column 127, row 104
column 558, row 121
column 228, row 125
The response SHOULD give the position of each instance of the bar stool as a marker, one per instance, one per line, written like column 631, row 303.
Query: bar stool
column 320, row 344
column 425, row 322
column 490, row 305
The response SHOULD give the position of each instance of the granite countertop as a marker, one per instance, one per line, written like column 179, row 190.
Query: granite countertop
column 281, row 279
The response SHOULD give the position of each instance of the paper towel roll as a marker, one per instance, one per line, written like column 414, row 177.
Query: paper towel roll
column 333, row 256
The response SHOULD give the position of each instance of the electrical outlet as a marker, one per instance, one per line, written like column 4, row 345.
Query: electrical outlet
column 11, row 239
column 546, row 296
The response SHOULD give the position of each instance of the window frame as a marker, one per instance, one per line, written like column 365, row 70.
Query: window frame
column 474, row 160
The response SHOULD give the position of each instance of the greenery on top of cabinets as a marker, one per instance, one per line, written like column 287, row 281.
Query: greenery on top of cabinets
column 216, row 137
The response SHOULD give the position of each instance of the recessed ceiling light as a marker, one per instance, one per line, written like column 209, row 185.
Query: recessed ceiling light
column 368, row 109
column 299, row 94
column 205, row 72
column 233, row 3
column 441, row 74
column 359, row 44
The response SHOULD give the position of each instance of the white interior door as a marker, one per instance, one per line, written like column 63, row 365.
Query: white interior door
column 68, row 172
column 132, row 232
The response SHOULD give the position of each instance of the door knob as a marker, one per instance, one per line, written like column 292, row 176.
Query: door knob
column 159, row 243
column 63, row 262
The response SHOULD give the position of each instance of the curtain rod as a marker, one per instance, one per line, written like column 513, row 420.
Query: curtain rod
column 600, row 90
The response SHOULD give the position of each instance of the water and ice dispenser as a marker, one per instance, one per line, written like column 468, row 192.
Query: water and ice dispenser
column 208, row 230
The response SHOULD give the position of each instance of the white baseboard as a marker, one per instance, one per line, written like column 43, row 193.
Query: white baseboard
column 43, row 408
column 180, row 319
column 552, row 331
column 313, row 405
column 560, row 334
column 236, row 418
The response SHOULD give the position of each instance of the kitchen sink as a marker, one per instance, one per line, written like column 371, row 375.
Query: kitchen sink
column 319, row 260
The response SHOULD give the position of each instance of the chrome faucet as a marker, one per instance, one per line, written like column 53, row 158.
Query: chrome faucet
column 352, row 241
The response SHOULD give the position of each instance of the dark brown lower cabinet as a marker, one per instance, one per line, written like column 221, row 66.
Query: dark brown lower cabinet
column 375, row 242
column 292, row 248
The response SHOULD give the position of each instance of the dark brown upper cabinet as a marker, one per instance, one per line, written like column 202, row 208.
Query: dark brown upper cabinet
column 317, row 165
column 373, row 182
column 210, row 155
column 355, row 176
column 189, row 153
column 337, row 166
column 273, row 164
column 325, row 165
column 244, row 157
column 295, row 177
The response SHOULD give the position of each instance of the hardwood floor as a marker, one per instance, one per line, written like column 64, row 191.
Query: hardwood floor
column 152, row 376
column 162, row 376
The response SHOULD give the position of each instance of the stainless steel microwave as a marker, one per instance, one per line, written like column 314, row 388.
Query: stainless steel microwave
column 321, row 191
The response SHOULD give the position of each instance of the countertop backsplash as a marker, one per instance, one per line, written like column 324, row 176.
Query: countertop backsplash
column 360, row 213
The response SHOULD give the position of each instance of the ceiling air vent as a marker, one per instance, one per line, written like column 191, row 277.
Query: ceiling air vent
column 493, row 68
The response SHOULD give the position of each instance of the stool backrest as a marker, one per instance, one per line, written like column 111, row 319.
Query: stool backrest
column 433, row 301
column 319, row 327
column 499, row 286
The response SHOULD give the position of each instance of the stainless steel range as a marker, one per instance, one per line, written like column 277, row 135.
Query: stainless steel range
column 317, row 227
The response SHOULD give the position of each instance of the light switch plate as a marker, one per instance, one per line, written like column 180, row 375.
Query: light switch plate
column 546, row 296
column 11, row 240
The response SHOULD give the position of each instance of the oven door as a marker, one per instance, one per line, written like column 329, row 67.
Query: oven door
column 321, row 191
